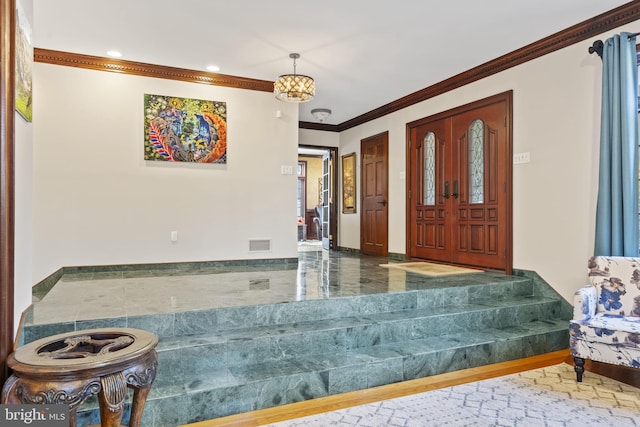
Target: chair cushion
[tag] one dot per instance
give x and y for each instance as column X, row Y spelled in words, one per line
column 608, row 329
column 617, row 280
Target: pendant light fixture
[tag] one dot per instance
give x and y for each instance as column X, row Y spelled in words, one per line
column 294, row 87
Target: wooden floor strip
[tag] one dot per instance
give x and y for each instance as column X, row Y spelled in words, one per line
column 361, row 397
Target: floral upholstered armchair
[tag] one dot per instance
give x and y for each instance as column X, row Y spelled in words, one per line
column 606, row 314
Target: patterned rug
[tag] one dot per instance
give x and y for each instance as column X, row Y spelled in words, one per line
column 429, row 268
column 542, row 397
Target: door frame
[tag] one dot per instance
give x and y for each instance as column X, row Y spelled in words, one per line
column 385, row 136
column 506, row 97
column 333, row 205
column 7, row 182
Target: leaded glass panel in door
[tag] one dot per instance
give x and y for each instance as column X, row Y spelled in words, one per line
column 429, row 160
column 476, row 162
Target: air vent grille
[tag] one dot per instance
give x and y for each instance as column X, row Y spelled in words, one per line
column 259, row 245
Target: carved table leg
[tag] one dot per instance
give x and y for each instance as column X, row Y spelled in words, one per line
column 8, row 391
column 139, row 399
column 140, row 379
column 111, row 399
column 72, row 418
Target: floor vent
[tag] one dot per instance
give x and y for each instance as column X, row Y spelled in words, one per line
column 259, row 245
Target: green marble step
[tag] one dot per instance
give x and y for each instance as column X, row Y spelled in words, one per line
column 224, row 361
column 241, row 347
column 202, row 395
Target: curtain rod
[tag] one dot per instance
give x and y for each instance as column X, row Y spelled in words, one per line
column 598, row 45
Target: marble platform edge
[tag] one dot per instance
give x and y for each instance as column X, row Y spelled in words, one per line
column 544, row 289
column 352, row 251
column 194, row 322
column 42, row 288
column 394, row 256
column 123, row 271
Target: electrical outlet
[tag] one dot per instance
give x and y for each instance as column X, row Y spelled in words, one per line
column 521, row 158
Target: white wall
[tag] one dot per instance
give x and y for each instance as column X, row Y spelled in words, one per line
column 318, row 138
column 23, row 205
column 97, row 202
column 556, row 113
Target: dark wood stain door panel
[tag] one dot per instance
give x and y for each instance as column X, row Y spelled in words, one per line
column 374, row 216
column 462, row 214
column 431, row 237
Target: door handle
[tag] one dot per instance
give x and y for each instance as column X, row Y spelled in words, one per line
column 455, row 189
column 446, row 189
column 383, row 203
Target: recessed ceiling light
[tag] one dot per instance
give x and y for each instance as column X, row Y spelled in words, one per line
column 213, row 68
column 114, row 54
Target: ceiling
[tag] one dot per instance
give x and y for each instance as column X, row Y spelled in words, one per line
column 363, row 54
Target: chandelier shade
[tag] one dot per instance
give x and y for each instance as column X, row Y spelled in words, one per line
column 294, row 87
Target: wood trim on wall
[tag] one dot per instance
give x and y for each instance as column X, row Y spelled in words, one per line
column 591, row 27
column 7, row 176
column 318, row 126
column 606, row 21
column 148, row 70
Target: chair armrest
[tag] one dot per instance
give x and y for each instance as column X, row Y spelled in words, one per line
column 584, row 303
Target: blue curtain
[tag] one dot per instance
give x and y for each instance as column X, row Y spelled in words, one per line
column 617, row 210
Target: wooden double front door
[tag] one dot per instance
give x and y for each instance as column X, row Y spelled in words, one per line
column 459, row 185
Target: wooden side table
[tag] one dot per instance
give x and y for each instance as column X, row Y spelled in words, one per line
column 70, row 368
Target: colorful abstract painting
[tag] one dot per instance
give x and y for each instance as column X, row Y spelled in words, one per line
column 24, row 61
column 184, row 129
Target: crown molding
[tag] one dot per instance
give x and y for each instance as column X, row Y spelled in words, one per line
column 614, row 18
column 148, row 70
column 318, row 126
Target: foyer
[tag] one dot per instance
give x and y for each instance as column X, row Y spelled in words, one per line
column 240, row 337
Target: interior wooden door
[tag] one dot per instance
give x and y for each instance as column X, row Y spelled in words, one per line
column 459, row 185
column 374, row 214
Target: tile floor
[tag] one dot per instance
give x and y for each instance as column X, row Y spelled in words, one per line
column 320, row 274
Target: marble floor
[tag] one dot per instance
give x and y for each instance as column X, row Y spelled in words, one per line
column 320, row 274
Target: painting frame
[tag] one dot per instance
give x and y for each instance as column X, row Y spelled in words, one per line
column 349, row 199
column 185, row 130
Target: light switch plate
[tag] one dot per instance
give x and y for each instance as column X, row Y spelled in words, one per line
column 521, row 158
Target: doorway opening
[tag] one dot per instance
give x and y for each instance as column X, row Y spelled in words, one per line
column 316, row 190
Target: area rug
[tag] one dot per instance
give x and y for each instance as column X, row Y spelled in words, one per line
column 548, row 396
column 429, row 268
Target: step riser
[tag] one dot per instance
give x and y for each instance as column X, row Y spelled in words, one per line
column 242, row 352
column 198, row 405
